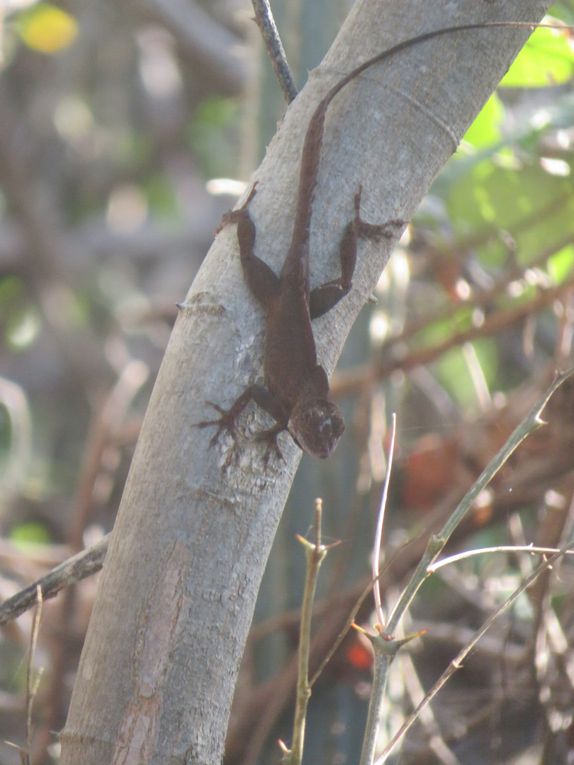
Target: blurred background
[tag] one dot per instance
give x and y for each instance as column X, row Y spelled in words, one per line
column 124, row 131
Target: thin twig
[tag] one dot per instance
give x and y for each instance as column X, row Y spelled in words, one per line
column 376, row 569
column 31, row 681
column 437, row 744
column 338, row 612
column 266, row 23
column 314, row 556
column 69, row 572
column 343, row 632
column 438, row 541
column 434, row 567
column 385, row 646
column 456, row 663
column 381, row 663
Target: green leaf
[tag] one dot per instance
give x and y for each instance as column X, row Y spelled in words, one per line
column 31, row 533
column 20, row 319
column 453, row 374
column 453, row 371
column 561, row 265
column 438, row 331
column 212, row 136
column 161, row 197
column 546, row 59
column 485, row 130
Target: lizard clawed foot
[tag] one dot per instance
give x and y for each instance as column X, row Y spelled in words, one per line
column 224, row 423
column 375, row 232
column 269, row 437
column 234, row 216
column 372, row 230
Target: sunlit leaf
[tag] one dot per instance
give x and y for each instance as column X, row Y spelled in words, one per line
column 561, row 265
column 485, row 130
column 47, row 29
column 546, row 59
column 534, row 207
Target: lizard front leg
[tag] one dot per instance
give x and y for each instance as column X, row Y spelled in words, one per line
column 228, row 420
column 271, row 404
column 323, row 298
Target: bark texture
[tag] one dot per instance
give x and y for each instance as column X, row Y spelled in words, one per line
column 192, row 537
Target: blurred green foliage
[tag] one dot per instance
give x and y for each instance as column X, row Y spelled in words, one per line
column 32, row 533
column 210, row 136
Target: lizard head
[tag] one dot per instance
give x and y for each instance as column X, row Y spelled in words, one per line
column 316, row 426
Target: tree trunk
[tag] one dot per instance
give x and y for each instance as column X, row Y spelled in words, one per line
column 192, row 536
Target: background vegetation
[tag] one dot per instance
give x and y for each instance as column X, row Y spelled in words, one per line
column 120, row 127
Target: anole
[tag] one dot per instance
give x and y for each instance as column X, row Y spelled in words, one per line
column 296, row 391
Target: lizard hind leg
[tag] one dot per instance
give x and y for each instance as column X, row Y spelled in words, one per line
column 323, row 298
column 234, row 216
column 374, row 231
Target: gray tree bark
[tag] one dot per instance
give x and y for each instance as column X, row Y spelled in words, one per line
column 192, row 537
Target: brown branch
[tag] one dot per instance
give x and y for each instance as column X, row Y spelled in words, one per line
column 347, row 382
column 481, row 297
column 69, row 572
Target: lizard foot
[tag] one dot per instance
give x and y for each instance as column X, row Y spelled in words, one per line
column 269, row 438
column 225, row 423
column 234, row 216
column 374, row 231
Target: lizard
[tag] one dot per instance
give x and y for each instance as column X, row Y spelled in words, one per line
column 296, row 390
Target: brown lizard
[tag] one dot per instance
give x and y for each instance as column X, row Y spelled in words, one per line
column 296, row 391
